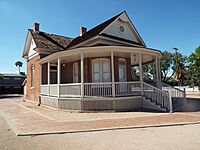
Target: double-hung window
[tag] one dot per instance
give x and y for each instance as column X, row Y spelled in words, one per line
column 75, row 72
column 32, row 75
column 101, row 70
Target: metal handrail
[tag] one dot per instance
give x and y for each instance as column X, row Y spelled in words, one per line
column 167, row 85
column 159, row 96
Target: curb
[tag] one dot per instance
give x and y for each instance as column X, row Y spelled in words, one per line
column 16, row 131
column 106, row 129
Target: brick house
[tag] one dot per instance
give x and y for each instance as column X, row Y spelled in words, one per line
column 102, row 69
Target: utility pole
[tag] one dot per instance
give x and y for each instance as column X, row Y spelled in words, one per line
column 177, row 61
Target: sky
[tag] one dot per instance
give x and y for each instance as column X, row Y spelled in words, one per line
column 163, row 24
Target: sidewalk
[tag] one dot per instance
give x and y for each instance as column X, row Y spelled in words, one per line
column 25, row 121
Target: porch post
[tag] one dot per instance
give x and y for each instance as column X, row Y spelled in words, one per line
column 40, row 75
column 157, row 69
column 113, row 74
column 82, row 76
column 141, row 73
column 48, row 78
column 58, row 78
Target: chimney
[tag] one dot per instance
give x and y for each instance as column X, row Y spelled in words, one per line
column 82, row 30
column 36, row 26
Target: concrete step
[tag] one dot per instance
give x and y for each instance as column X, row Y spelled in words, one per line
column 148, row 104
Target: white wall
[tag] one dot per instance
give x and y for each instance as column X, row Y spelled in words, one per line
column 32, row 46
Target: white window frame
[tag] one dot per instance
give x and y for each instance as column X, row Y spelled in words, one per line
column 124, row 60
column 53, row 71
column 75, row 72
column 101, row 72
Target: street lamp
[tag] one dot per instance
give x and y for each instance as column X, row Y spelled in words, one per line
column 177, row 62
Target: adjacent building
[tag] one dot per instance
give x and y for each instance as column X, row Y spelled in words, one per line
column 11, row 83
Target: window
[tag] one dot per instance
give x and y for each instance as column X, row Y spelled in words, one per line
column 53, row 74
column 32, row 76
column 75, row 72
column 101, row 70
column 122, row 70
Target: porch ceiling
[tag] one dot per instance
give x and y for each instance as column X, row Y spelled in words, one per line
column 104, row 51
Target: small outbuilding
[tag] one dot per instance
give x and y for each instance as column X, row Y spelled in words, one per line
column 11, row 83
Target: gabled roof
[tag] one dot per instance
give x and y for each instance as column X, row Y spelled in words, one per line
column 98, row 29
column 59, row 43
column 93, row 32
column 46, row 41
column 50, row 41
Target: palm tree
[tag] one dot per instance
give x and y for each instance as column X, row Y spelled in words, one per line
column 180, row 68
column 181, row 75
column 19, row 64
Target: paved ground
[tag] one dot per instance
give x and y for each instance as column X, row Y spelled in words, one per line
column 26, row 119
column 166, row 138
column 63, row 115
column 193, row 94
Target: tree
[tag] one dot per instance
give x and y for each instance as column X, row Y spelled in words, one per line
column 18, row 64
column 174, row 67
column 166, row 64
column 180, row 68
column 194, row 67
column 148, row 72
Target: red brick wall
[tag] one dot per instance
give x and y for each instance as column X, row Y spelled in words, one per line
column 33, row 93
column 116, row 69
column 128, row 69
column 67, row 73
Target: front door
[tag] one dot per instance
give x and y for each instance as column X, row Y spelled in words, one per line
column 122, row 75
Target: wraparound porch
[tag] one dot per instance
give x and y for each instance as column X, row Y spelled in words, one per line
column 104, row 73
column 92, row 89
column 98, row 96
column 98, row 71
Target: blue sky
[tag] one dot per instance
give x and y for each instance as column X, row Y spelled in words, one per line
column 163, row 24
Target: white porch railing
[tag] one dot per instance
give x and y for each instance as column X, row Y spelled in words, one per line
column 44, row 89
column 127, row 88
column 102, row 89
column 174, row 92
column 53, row 90
column 70, row 90
column 158, row 96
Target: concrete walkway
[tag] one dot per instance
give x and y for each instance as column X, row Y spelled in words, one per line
column 25, row 121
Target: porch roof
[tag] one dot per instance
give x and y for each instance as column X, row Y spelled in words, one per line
column 100, row 49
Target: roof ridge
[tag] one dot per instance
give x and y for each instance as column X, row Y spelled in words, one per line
column 52, row 34
column 51, row 39
column 94, row 31
column 59, row 35
column 107, row 21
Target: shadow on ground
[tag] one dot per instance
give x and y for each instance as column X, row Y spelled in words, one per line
column 4, row 96
column 192, row 105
